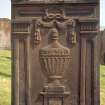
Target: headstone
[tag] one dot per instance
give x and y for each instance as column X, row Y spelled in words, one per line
column 39, row 75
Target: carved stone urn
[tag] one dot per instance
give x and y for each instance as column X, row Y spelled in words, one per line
column 54, row 60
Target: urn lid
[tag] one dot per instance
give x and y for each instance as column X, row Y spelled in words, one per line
column 54, row 45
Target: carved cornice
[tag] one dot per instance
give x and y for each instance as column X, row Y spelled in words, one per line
column 36, row 10
column 88, row 26
column 55, row 1
column 20, row 27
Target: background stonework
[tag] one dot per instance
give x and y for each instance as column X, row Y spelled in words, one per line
column 102, row 33
column 5, row 30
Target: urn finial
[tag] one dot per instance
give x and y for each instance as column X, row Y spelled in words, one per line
column 54, row 35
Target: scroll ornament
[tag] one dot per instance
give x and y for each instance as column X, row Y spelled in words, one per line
column 58, row 20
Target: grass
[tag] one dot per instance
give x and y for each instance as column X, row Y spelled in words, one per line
column 102, row 84
column 5, row 79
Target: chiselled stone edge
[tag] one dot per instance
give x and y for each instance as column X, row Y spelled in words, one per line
column 52, row 2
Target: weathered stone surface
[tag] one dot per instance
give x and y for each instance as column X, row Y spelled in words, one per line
column 69, row 1
column 77, row 25
column 54, row 60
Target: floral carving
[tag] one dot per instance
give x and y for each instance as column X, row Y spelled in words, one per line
column 71, row 32
column 63, row 23
column 36, row 34
column 56, row 20
column 37, row 37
